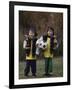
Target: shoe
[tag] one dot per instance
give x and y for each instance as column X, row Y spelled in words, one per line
column 26, row 75
column 45, row 74
column 51, row 73
column 48, row 75
column 34, row 75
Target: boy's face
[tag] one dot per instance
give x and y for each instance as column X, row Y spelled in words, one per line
column 50, row 32
column 31, row 34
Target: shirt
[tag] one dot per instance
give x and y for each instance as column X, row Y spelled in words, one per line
column 47, row 51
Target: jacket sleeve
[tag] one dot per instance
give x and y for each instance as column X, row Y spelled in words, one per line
column 56, row 44
column 24, row 44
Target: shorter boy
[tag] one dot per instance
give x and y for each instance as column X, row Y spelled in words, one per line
column 30, row 48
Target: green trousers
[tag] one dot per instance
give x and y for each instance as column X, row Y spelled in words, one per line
column 48, row 65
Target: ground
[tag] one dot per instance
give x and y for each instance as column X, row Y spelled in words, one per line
column 57, row 68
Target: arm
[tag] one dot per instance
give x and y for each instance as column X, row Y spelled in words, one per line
column 55, row 44
column 25, row 45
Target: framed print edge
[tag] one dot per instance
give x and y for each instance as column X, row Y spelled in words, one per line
column 68, row 45
column 11, row 44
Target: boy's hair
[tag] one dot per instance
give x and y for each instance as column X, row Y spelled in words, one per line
column 51, row 29
column 33, row 29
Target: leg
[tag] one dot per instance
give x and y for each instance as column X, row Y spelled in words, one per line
column 33, row 67
column 46, row 66
column 50, row 65
column 27, row 68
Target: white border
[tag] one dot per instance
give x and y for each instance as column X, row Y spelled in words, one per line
column 18, row 81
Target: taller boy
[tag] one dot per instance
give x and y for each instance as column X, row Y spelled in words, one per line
column 48, row 53
column 30, row 48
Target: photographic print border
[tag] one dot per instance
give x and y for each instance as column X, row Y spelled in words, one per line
column 11, row 44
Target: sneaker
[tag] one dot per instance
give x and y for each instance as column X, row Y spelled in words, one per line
column 48, row 75
column 26, row 75
column 34, row 75
column 45, row 74
column 51, row 73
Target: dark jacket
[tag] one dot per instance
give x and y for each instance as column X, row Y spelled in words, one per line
column 29, row 45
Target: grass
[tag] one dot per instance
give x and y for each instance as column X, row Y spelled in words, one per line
column 57, row 68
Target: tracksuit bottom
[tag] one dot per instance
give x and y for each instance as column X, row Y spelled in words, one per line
column 48, row 65
column 30, row 64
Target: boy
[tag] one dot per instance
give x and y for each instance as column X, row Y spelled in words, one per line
column 30, row 48
column 48, row 52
